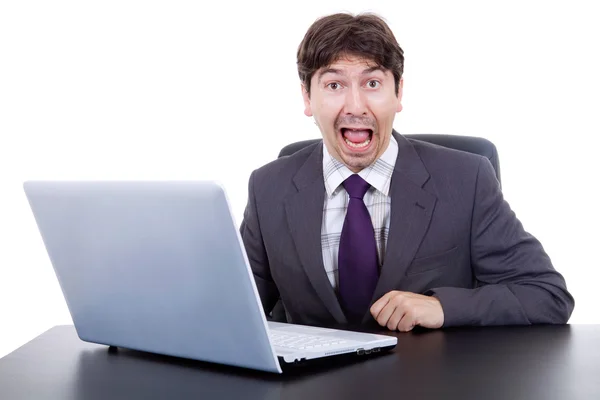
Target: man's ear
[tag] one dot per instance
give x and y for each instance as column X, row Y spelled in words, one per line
column 400, row 88
column 306, row 97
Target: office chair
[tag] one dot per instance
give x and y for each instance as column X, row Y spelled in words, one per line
column 469, row 144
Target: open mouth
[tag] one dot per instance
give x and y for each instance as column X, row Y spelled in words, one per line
column 357, row 139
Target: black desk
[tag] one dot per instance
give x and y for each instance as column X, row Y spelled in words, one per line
column 539, row 362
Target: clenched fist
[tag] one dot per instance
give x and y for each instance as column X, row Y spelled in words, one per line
column 403, row 311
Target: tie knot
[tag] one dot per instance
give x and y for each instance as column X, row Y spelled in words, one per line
column 356, row 186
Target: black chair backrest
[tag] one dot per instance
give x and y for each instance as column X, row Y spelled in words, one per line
column 470, row 144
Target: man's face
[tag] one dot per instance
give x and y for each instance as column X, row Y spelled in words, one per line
column 354, row 103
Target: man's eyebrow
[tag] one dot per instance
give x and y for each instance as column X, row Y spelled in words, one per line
column 329, row 71
column 373, row 69
column 339, row 72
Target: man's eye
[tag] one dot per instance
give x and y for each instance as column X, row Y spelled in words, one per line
column 333, row 85
column 373, row 84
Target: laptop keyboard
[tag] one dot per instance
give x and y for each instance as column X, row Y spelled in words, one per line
column 299, row 341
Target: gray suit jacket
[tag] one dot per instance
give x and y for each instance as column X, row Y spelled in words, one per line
column 451, row 235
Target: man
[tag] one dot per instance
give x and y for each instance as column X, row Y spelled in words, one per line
column 368, row 225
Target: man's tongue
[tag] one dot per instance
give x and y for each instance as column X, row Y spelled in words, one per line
column 356, row 136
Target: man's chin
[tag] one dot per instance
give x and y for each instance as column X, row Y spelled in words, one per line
column 356, row 164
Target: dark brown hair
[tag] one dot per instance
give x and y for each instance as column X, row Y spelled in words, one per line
column 338, row 35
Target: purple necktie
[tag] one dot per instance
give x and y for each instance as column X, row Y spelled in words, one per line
column 357, row 260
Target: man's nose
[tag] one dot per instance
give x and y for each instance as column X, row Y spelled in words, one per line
column 355, row 103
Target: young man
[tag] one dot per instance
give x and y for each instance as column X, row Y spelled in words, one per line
column 370, row 226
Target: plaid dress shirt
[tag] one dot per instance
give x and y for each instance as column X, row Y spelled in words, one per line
column 377, row 200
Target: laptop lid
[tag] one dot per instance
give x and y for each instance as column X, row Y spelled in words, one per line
column 154, row 266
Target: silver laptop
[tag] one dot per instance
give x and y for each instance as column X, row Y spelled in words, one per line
column 160, row 267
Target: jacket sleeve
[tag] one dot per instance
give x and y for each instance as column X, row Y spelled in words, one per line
column 257, row 255
column 516, row 282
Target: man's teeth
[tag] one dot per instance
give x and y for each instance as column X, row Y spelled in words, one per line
column 358, row 145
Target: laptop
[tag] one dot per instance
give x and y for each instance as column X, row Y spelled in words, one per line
column 159, row 266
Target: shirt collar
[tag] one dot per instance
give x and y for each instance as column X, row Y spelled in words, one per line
column 378, row 174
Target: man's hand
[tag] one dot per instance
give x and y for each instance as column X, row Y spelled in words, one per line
column 404, row 310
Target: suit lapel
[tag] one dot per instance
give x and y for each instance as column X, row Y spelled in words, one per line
column 411, row 211
column 304, row 211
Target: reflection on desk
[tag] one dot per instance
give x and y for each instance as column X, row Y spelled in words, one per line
column 537, row 362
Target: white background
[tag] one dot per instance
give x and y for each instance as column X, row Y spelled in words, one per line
column 188, row 90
